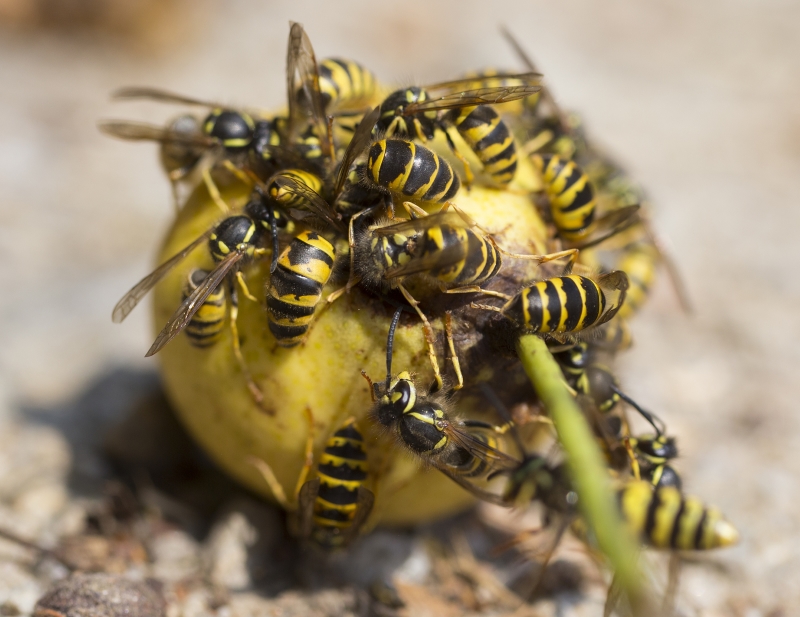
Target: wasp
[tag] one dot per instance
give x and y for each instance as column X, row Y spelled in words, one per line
column 444, row 247
column 224, row 136
column 653, row 454
column 411, row 171
column 573, row 204
column 335, row 505
column 332, row 508
column 659, row 516
column 207, row 325
column 295, row 287
column 416, row 113
column 346, row 84
column 565, row 305
column 467, row 451
column 232, row 243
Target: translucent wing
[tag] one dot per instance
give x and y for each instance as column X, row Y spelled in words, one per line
column 366, row 500
column 156, row 94
column 138, row 291
column 612, row 223
column 618, row 280
column 496, row 459
column 300, row 58
column 469, row 98
column 192, row 304
column 479, row 492
column 305, row 511
column 361, row 138
column 441, row 258
column 529, row 78
column 408, row 227
column 316, row 204
column 142, row 131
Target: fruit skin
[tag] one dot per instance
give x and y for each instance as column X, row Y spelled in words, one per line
column 323, row 374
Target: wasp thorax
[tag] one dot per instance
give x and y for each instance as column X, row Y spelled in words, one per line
column 233, row 129
column 392, row 122
column 420, row 429
column 230, row 234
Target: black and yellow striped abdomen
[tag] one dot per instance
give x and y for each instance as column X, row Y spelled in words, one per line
column 207, row 324
column 572, row 199
column 663, row 518
column 295, row 287
column 344, row 82
column 561, row 304
column 470, row 258
column 411, row 171
column 489, row 138
column 639, row 262
column 342, row 470
column 466, row 464
column 288, row 198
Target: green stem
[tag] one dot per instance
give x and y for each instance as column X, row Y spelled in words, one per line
column 586, row 463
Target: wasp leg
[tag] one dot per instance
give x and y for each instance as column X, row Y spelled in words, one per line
column 632, row 456
column 473, row 289
column 269, row 476
column 245, row 290
column 213, row 191
column 274, row 486
column 469, row 177
column 429, row 340
column 486, row 307
column 308, row 461
column 537, row 143
column 448, row 328
column 255, row 391
column 236, row 172
column 353, row 279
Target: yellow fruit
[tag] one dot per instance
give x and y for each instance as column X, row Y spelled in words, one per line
column 323, row 375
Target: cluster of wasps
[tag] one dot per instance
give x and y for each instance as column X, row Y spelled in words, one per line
column 347, row 187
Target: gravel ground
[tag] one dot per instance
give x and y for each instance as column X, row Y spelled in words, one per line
column 698, row 100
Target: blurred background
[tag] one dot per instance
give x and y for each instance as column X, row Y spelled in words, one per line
column 698, row 100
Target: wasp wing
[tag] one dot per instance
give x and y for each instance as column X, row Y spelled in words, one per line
column 142, row 131
column 479, row 492
column 440, row 258
column 496, row 459
column 361, row 138
column 528, row 78
column 157, row 94
column 470, row 98
column 612, row 223
column 138, row 291
column 410, row 227
column 316, row 204
column 192, row 304
column 305, row 507
column 300, row 58
column 366, row 499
